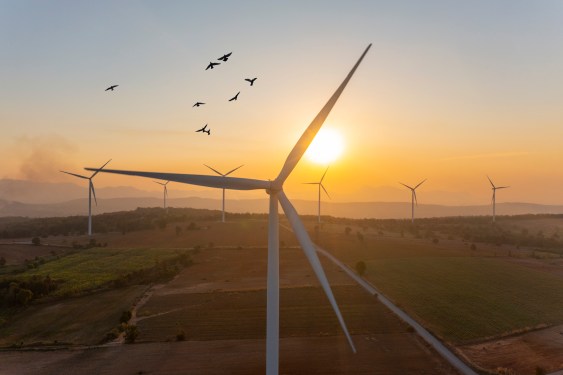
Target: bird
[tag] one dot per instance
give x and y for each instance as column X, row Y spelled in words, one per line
column 208, row 131
column 225, row 57
column 211, row 65
column 197, row 104
column 234, row 97
column 251, row 80
column 111, row 87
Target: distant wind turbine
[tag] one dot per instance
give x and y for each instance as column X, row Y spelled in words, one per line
column 274, row 188
column 91, row 192
column 165, row 190
column 494, row 199
column 320, row 184
column 223, row 175
column 413, row 196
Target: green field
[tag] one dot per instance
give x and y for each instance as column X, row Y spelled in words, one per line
column 463, row 299
column 94, row 268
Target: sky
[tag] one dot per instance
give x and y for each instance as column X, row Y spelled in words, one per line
column 451, row 91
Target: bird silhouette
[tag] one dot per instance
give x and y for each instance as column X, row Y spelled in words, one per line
column 225, row 57
column 211, row 65
column 208, row 131
column 251, row 81
column 111, row 87
column 234, row 97
column 197, row 104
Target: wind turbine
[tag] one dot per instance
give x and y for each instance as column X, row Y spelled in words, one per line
column 165, row 190
column 274, row 188
column 494, row 200
column 91, row 192
column 413, row 197
column 223, row 175
column 320, row 184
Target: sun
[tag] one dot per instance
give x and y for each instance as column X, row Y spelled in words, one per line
column 326, row 147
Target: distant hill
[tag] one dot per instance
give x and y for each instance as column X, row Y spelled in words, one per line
column 356, row 210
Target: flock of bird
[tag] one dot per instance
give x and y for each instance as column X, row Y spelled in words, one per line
column 211, row 66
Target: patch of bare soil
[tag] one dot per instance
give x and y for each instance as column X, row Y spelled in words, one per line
column 521, row 353
column 18, row 253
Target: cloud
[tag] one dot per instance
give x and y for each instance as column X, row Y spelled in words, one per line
column 43, row 156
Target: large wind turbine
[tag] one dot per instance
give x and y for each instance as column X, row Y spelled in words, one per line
column 413, row 196
column 494, row 200
column 275, row 190
column 165, row 190
column 320, row 184
column 223, row 175
column 91, row 192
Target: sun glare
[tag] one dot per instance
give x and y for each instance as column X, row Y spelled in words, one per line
column 326, row 147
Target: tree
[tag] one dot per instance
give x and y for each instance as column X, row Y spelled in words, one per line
column 361, row 267
column 36, row 241
column 131, row 333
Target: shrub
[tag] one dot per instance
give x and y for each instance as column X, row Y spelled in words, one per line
column 361, row 267
column 180, row 335
column 36, row 241
column 131, row 334
column 125, row 316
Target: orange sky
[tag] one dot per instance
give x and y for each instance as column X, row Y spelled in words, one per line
column 448, row 92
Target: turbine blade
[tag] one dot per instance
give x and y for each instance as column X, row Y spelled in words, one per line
column 158, row 182
column 233, row 183
column 503, row 187
column 214, row 170
column 326, row 192
column 165, row 190
column 231, row 171
column 311, row 183
column 324, row 174
column 313, row 128
column 93, row 191
column 98, row 170
column 407, row 186
column 75, row 175
column 414, row 195
column 493, row 185
column 420, row 183
column 309, row 250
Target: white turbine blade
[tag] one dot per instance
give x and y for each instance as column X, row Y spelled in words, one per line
column 407, row 186
column 75, row 175
column 326, row 192
column 414, row 195
column 309, row 250
column 420, row 183
column 312, row 130
column 98, row 170
column 158, row 182
column 311, row 183
column 214, row 170
column 165, row 191
column 324, row 174
column 231, row 171
column 503, row 187
column 493, row 185
column 233, row 183
column 93, row 191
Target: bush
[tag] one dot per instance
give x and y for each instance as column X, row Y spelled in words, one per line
column 131, row 334
column 180, row 335
column 36, row 241
column 125, row 316
column 361, row 267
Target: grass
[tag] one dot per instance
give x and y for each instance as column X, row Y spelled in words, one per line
column 94, row 268
column 463, row 299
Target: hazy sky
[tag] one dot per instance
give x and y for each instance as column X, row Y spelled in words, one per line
column 450, row 91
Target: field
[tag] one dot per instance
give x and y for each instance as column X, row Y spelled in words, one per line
column 497, row 305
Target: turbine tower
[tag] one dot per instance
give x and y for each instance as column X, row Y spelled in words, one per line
column 274, row 188
column 320, row 184
column 413, row 197
column 494, row 200
column 165, row 190
column 91, row 192
column 223, row 175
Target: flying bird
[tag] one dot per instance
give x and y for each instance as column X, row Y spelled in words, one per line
column 211, row 65
column 197, row 104
column 234, row 97
column 225, row 57
column 208, row 131
column 251, row 80
column 111, row 87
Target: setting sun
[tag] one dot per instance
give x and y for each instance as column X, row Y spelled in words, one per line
column 326, row 147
